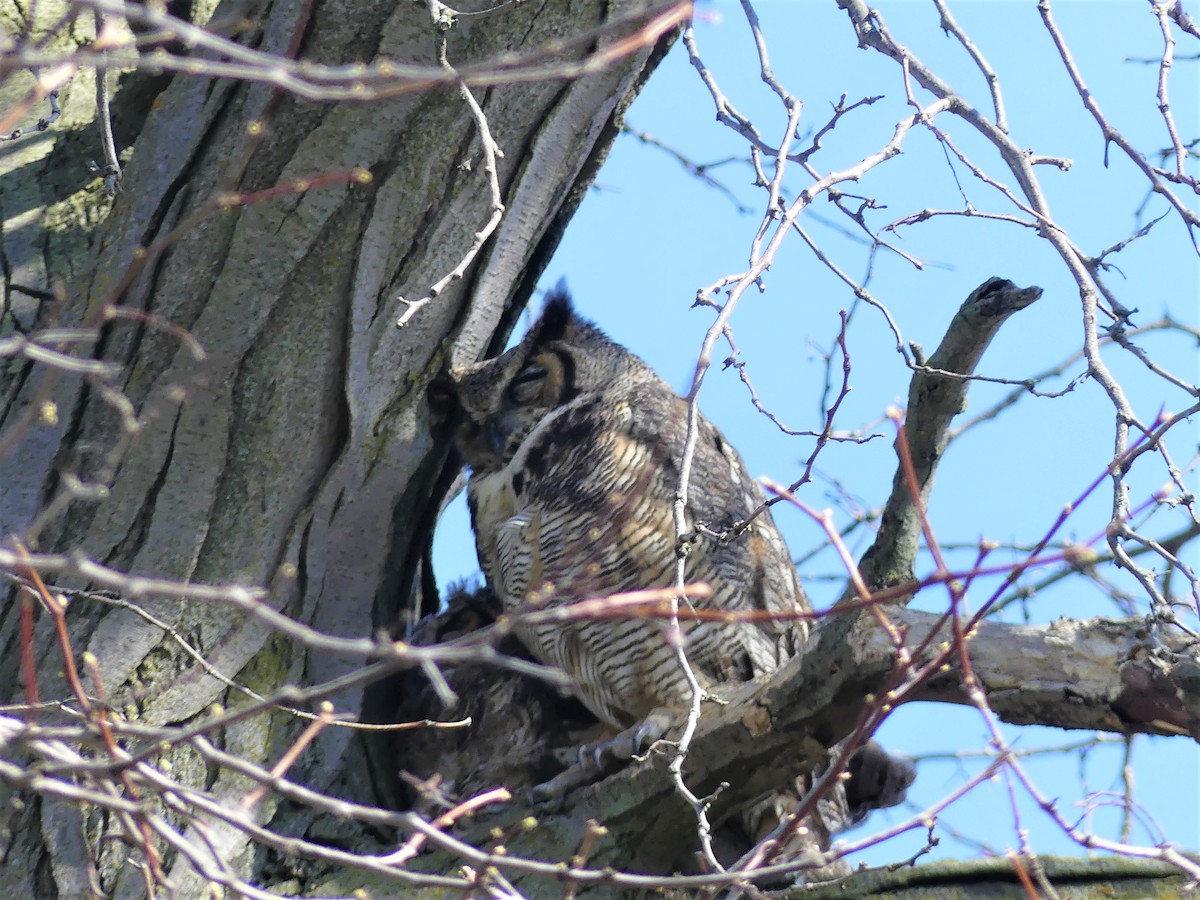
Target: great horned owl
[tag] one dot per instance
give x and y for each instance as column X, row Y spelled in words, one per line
column 574, row 446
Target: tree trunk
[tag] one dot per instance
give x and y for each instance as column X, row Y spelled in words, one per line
column 295, row 451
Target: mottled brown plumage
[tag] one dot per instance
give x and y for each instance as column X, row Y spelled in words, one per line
column 574, row 446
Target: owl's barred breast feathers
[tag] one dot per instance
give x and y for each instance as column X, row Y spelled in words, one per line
column 574, row 446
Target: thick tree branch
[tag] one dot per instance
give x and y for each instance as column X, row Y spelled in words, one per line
column 1108, row 675
column 1102, row 674
column 937, row 394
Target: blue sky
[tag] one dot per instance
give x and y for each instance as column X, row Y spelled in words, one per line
column 649, row 235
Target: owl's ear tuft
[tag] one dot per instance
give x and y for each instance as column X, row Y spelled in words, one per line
column 558, row 314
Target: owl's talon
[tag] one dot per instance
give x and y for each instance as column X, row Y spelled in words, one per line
column 591, row 756
column 651, row 730
column 601, row 758
column 631, row 742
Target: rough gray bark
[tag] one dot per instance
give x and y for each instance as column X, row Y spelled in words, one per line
column 301, row 455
